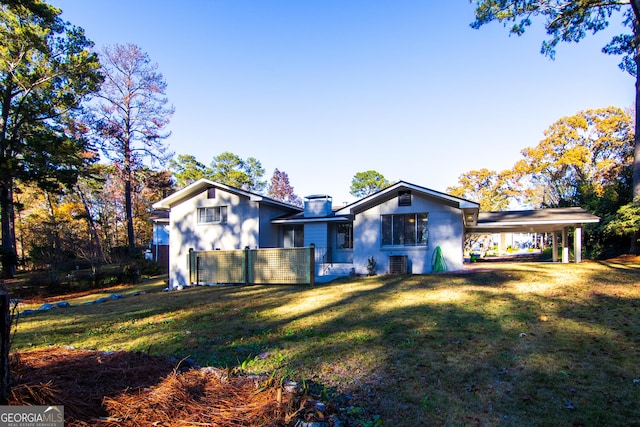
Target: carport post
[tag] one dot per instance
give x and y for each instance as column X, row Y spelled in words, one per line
column 565, row 245
column 577, row 244
column 554, row 245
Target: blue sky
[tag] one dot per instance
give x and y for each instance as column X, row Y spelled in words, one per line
column 322, row 89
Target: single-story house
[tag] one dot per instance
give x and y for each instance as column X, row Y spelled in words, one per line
column 400, row 229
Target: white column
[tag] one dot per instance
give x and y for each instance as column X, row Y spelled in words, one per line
column 554, row 246
column 565, row 245
column 577, row 244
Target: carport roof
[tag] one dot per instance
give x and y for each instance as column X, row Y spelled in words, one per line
column 532, row 221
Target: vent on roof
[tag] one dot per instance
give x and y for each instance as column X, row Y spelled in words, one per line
column 404, row 198
column 397, row 264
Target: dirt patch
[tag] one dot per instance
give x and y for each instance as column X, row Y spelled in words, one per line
column 134, row 389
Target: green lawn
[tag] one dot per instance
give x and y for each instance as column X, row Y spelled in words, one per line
column 520, row 344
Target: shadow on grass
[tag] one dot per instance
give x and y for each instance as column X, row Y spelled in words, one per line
column 631, row 274
column 523, row 345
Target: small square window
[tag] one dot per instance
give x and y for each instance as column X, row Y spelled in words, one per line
column 211, row 193
column 404, row 198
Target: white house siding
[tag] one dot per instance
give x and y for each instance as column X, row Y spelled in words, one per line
column 240, row 230
column 445, row 230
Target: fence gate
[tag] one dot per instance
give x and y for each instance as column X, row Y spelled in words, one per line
column 263, row 266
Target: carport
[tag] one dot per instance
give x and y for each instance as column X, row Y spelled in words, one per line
column 556, row 221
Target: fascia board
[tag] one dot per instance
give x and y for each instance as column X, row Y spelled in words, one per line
column 343, row 218
column 461, row 203
column 203, row 183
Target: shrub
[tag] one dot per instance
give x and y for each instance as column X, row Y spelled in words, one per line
column 149, row 267
column 130, row 273
column 133, row 271
column 371, row 266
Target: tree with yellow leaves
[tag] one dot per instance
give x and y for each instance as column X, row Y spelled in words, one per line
column 492, row 190
column 589, row 149
column 584, row 160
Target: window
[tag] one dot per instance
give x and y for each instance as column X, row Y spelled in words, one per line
column 404, row 198
column 216, row 214
column 344, row 236
column 405, row 230
column 293, row 236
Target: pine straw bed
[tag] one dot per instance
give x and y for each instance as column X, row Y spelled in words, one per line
column 109, row 389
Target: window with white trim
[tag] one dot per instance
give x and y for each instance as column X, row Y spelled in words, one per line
column 405, row 229
column 212, row 215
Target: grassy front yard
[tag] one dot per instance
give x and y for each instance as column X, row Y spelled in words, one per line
column 519, row 344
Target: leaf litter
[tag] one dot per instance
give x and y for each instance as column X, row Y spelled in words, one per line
column 108, row 389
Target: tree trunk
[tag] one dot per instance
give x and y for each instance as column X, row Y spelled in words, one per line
column 55, row 231
column 8, row 253
column 636, row 149
column 5, row 343
column 129, row 214
column 635, row 4
column 97, row 246
column 20, row 233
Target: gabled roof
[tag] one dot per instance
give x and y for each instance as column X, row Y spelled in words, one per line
column 471, row 209
column 391, row 191
column 539, row 220
column 203, row 184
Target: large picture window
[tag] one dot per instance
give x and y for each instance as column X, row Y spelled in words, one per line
column 216, row 214
column 405, row 230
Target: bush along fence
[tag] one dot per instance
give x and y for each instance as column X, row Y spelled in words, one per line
column 253, row 266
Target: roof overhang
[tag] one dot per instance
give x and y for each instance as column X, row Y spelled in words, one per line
column 470, row 216
column 302, row 220
column 202, row 184
column 159, row 216
column 532, row 221
column 470, row 208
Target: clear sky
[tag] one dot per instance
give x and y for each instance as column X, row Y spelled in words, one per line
column 322, row 89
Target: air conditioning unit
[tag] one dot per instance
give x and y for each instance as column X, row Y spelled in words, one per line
column 397, row 264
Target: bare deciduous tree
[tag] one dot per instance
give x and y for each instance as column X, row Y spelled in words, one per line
column 132, row 116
